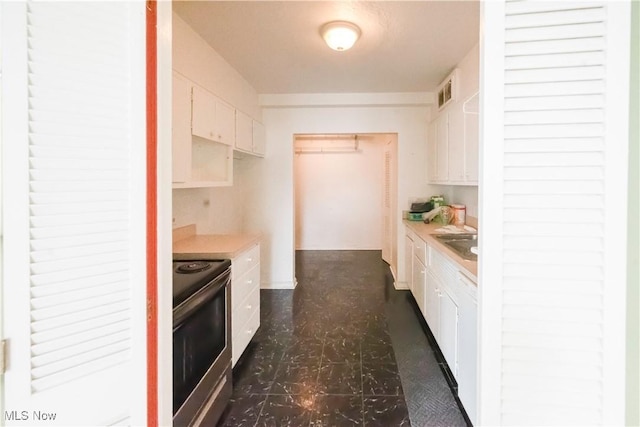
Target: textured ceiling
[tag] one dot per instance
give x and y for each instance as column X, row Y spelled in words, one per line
column 406, row 46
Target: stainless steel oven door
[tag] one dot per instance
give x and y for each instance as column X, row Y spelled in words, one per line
column 202, row 354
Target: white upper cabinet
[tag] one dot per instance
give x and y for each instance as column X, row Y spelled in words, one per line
column 244, row 132
column 452, row 147
column 456, row 144
column 442, row 148
column 249, row 135
column 203, row 114
column 225, row 123
column 212, row 118
column 438, row 149
column 259, row 138
column 432, row 157
column 200, row 155
column 463, row 142
column 471, row 139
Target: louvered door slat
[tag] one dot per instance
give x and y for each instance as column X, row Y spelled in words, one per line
column 101, row 359
column 554, row 89
column 557, row 32
column 87, row 318
column 548, row 145
column 554, row 61
column 527, row 17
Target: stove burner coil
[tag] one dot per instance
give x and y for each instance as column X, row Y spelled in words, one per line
column 193, row 267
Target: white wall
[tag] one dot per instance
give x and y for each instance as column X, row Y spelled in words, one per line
column 462, row 194
column 213, row 210
column 338, row 195
column 275, row 194
column 199, row 62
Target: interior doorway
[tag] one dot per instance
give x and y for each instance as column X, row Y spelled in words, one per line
column 345, row 192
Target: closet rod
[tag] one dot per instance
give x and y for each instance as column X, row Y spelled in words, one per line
column 327, row 136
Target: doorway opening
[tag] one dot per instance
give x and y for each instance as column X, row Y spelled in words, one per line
column 345, row 192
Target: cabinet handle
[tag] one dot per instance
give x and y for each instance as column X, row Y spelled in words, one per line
column 249, row 331
column 250, row 281
column 249, row 259
column 249, row 307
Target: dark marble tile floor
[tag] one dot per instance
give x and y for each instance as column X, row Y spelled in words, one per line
column 342, row 349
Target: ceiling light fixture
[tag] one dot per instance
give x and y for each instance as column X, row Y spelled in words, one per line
column 340, row 35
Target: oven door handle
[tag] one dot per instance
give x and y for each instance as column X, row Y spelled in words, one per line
column 200, row 297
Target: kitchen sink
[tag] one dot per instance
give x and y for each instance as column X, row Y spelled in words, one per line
column 461, row 244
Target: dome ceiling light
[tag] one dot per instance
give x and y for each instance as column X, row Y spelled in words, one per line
column 340, row 35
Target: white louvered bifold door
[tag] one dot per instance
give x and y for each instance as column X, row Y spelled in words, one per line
column 553, row 203
column 74, row 260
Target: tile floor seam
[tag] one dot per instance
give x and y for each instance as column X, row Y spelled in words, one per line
column 361, row 383
column 324, row 340
column 268, row 393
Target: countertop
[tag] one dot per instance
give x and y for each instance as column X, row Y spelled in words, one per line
column 189, row 245
column 425, row 232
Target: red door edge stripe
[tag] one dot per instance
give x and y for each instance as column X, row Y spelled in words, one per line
column 152, row 216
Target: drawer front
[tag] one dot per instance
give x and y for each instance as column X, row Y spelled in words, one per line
column 246, row 261
column 443, row 269
column 420, row 250
column 245, row 310
column 243, row 336
column 242, row 286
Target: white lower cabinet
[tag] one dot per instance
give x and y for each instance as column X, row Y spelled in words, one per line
column 408, row 259
column 415, row 263
column 432, row 304
column 447, row 299
column 245, row 299
column 467, row 345
column 419, row 283
column 448, row 334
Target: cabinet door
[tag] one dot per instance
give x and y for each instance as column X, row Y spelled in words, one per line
column 467, row 346
column 419, row 283
column 258, row 138
column 408, row 260
column 432, row 151
column 471, row 133
column 203, row 114
column 181, row 129
column 244, row 132
column 432, row 304
column 456, row 144
column 442, row 149
column 225, row 122
column 448, row 341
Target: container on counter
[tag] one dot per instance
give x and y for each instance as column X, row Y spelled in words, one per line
column 437, row 201
column 459, row 214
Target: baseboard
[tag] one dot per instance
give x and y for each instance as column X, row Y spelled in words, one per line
column 401, row 286
column 278, row 285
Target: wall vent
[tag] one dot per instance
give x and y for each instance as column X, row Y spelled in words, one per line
column 447, row 90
